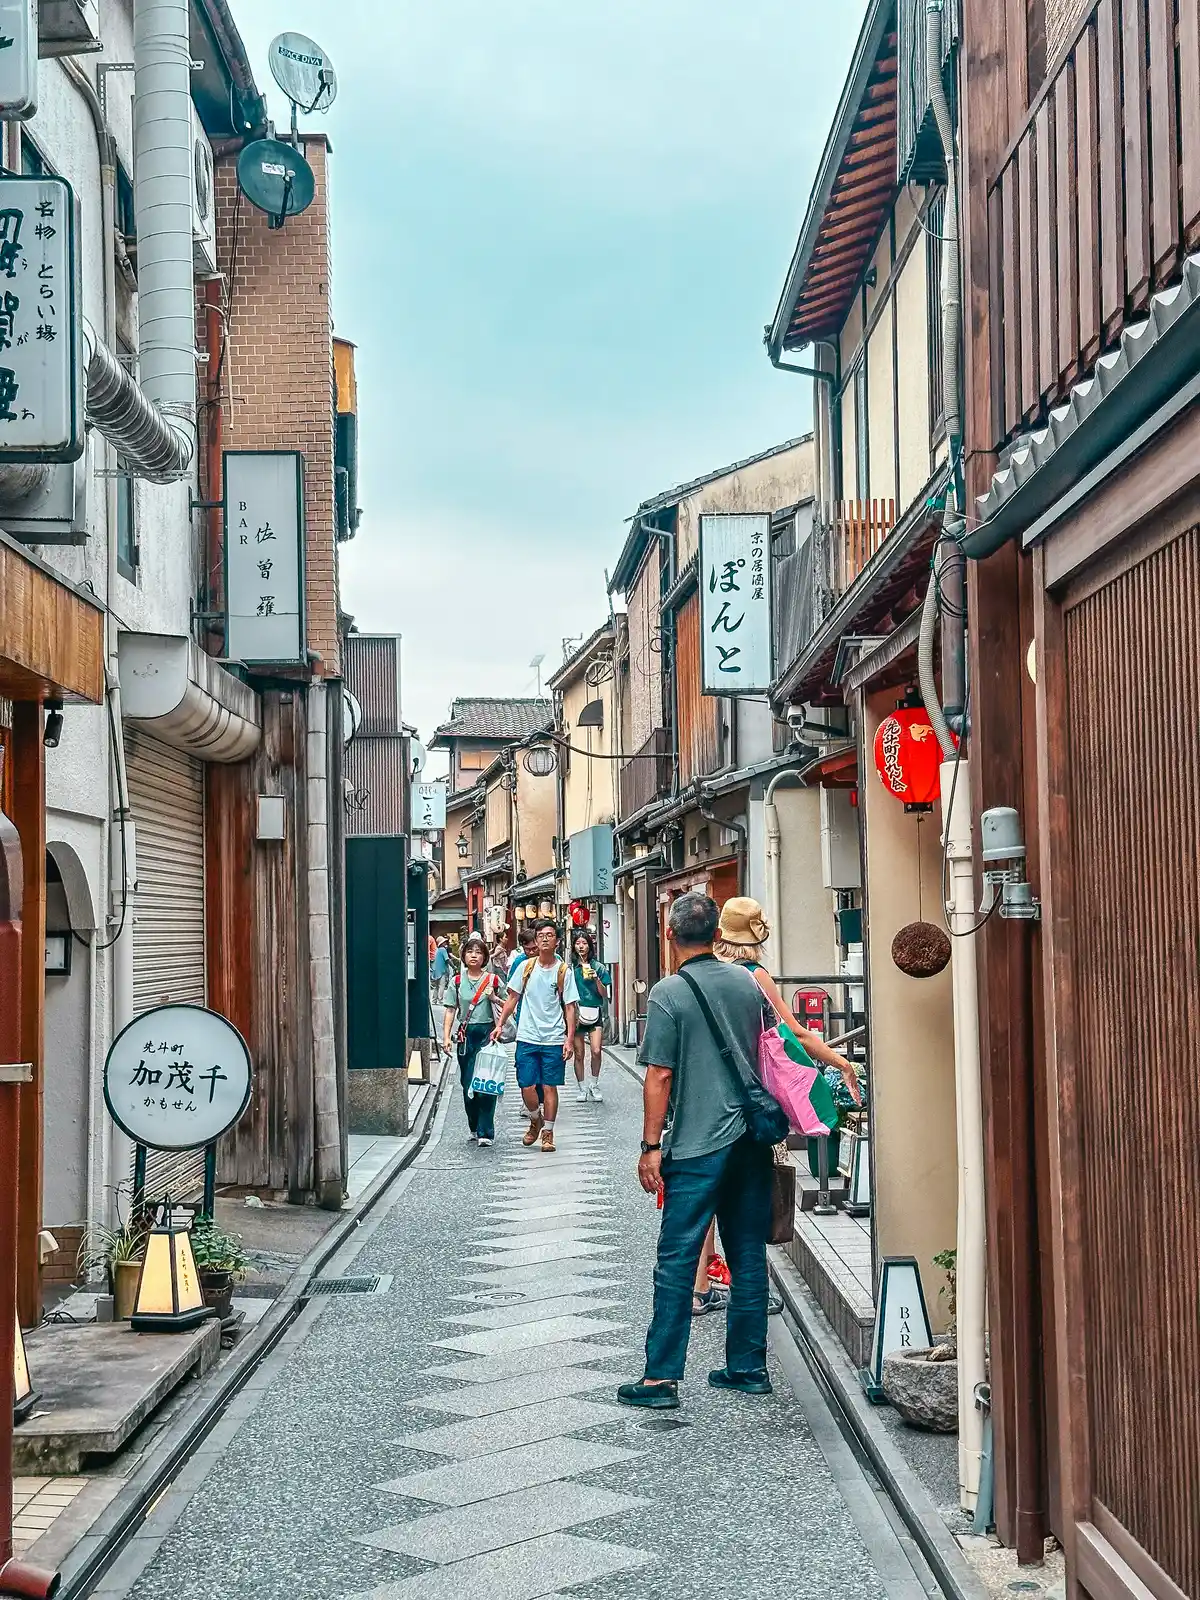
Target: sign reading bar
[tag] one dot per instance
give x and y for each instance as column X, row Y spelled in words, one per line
column 428, row 807
column 177, row 1078
column 264, row 557
column 735, row 603
column 41, row 331
column 18, row 59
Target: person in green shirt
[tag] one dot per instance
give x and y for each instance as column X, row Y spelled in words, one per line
column 593, row 982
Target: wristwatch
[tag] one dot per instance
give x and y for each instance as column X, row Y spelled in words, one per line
column 648, row 1149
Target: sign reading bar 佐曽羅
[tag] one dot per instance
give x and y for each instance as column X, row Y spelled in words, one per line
column 264, row 557
column 177, row 1078
column 41, row 356
column 735, row 603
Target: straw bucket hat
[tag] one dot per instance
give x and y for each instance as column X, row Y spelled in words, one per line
column 743, row 923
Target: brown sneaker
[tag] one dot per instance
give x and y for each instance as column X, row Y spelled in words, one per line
column 531, row 1133
column 547, row 1141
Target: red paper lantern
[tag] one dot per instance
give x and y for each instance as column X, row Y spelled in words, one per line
column 908, row 756
column 579, row 914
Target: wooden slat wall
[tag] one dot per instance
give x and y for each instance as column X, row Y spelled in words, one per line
column 258, row 967
column 1133, row 690
column 860, row 529
column 698, row 715
column 51, row 639
column 1095, row 200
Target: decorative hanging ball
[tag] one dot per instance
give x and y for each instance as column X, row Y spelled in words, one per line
column 908, row 756
column 921, row 950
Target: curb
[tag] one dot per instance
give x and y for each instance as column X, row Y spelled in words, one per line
column 90, row 1558
column 910, row 1497
column 631, row 1067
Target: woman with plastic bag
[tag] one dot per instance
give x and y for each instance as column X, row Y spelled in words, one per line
column 472, row 1002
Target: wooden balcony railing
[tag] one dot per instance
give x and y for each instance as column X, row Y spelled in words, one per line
column 648, row 776
column 860, row 527
column 1095, row 201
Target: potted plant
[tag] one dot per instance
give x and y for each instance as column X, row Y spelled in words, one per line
column 844, row 1102
column 119, row 1252
column 221, row 1263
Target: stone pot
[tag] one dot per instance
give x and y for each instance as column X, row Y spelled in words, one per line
column 125, row 1275
column 217, row 1289
column 924, row 1392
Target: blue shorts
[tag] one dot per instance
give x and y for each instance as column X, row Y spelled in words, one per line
column 540, row 1064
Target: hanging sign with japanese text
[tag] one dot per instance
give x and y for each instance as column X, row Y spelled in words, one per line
column 735, row 603
column 177, row 1078
column 41, row 331
column 18, row 59
column 428, row 807
column 264, row 557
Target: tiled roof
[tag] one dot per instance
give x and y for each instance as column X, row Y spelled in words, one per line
column 493, row 719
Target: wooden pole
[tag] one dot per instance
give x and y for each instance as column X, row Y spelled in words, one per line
column 29, row 808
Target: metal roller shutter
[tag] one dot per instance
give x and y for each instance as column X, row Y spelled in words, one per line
column 166, row 797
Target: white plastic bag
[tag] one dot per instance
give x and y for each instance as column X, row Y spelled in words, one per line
column 490, row 1070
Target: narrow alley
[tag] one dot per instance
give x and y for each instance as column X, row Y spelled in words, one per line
column 456, row 1433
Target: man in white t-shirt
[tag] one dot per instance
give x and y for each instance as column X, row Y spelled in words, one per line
column 545, row 987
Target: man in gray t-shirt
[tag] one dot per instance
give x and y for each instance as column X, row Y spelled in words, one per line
column 698, row 1154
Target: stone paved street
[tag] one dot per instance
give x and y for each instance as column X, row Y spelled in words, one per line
column 457, row 1435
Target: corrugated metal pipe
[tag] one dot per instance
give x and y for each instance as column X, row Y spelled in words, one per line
column 154, row 445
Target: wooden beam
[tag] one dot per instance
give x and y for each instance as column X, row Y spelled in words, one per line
column 29, row 808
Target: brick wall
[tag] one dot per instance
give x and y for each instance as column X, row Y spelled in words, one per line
column 277, row 380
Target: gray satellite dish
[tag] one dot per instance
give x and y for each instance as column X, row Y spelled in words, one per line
column 276, row 178
column 303, row 71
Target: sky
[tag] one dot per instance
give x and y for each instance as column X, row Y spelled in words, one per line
column 559, row 229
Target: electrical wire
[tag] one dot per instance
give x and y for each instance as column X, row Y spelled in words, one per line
column 123, row 812
column 960, row 933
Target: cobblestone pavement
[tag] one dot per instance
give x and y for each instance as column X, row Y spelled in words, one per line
column 457, row 1437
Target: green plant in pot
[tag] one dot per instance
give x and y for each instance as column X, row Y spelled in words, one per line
column 844, row 1102
column 119, row 1252
column 947, row 1261
column 220, row 1261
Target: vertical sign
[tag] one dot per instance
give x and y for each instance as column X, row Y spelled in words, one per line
column 41, row 356
column 735, row 603
column 428, row 807
column 18, row 59
column 610, row 933
column 264, row 556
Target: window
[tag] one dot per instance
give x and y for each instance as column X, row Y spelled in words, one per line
column 126, row 218
column 127, row 545
column 33, row 162
column 935, row 223
column 474, row 760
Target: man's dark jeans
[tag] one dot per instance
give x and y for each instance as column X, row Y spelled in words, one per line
column 481, row 1108
column 734, row 1184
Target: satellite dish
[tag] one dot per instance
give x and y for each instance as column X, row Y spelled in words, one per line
column 303, row 71
column 416, row 751
column 276, row 178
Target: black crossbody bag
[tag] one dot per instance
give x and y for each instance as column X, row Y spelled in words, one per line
column 766, row 1119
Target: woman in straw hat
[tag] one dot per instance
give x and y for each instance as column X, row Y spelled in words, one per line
column 740, row 938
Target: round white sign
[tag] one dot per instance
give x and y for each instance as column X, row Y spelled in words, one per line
column 303, row 71
column 177, row 1078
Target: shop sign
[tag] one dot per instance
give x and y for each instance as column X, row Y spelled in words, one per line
column 610, row 933
column 735, row 604
column 177, row 1078
column 18, row 59
column 591, row 876
column 429, row 807
column 264, row 557
column 41, row 330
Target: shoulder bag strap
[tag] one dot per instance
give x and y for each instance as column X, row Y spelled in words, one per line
column 728, row 1054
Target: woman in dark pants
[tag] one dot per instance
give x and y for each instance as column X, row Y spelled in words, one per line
column 470, row 1016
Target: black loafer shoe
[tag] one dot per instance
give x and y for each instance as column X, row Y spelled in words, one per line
column 743, row 1382
column 650, row 1396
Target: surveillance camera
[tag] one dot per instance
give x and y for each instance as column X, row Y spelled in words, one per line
column 796, row 716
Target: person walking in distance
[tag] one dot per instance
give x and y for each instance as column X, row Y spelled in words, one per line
column 544, row 986
column 700, row 1152
column 591, row 982
column 440, row 971
column 472, row 998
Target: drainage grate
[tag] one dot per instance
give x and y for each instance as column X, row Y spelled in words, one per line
column 351, row 1285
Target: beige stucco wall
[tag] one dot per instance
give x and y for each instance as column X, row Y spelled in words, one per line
column 912, row 367
column 590, row 786
column 850, row 338
column 806, row 906
column 911, row 1036
column 458, row 818
column 781, row 480
column 536, row 817
column 881, row 408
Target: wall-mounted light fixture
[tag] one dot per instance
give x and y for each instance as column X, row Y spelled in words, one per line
column 52, row 732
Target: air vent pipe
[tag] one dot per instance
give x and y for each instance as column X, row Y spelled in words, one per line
column 153, row 444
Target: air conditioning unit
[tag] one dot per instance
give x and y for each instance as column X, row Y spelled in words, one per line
column 68, row 27
column 53, row 510
column 841, row 864
column 204, row 203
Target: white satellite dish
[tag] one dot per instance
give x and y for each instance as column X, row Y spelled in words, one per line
column 303, row 71
column 416, row 752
